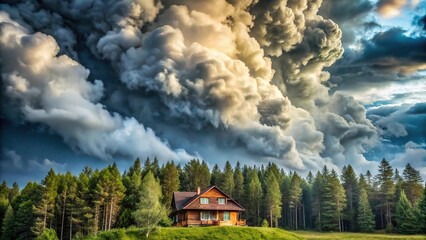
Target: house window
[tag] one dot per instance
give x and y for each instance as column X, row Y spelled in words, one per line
column 221, row 200
column 204, row 200
column 226, row 216
column 205, row 216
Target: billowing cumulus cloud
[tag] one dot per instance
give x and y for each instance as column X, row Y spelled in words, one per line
column 252, row 71
column 53, row 90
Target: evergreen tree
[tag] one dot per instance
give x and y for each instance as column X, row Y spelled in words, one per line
column 8, row 224
column 216, row 176
column 170, row 182
column 44, row 209
column 295, row 197
column 238, row 183
column 132, row 181
column 63, row 201
column 307, row 199
column 253, row 197
column 150, row 210
column 4, row 202
column 412, row 183
column 273, row 199
column 13, row 192
column 83, row 203
column 227, row 184
column 23, row 208
column 318, row 190
column 406, row 220
column 334, row 201
column 195, row 174
column 285, row 192
column 350, row 184
column 386, row 190
column 422, row 210
column 365, row 215
column 108, row 194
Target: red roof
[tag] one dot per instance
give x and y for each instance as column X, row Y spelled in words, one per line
column 182, row 200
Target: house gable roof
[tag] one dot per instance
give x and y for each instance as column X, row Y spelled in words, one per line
column 180, row 198
column 183, row 200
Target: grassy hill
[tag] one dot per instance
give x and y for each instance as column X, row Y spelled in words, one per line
column 241, row 233
column 200, row 233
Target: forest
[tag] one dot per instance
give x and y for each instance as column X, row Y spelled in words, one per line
column 71, row 206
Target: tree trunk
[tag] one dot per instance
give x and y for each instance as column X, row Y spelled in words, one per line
column 96, row 222
column 304, row 221
column 295, row 218
column 270, row 214
column 110, row 215
column 71, row 226
column 63, row 214
column 319, row 216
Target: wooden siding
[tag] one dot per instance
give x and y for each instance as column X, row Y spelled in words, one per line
column 193, row 218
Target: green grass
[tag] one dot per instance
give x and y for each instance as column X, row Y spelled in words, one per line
column 199, row 233
column 361, row 236
column 239, row 233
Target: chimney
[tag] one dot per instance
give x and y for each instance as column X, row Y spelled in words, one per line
column 198, row 190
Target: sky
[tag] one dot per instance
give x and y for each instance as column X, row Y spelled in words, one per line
column 300, row 83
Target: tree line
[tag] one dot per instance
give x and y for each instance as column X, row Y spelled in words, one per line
column 98, row 200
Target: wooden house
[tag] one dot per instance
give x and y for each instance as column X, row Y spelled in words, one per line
column 210, row 206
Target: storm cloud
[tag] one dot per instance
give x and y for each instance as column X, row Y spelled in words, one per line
column 251, row 71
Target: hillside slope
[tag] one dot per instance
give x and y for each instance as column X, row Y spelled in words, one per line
column 200, row 233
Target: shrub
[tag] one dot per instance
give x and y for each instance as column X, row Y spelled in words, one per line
column 264, row 223
column 48, row 234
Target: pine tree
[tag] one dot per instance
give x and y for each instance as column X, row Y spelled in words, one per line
column 422, row 210
column 285, row 192
column 170, row 182
column 238, row 183
column 150, row 210
column 386, row 190
column 406, row 220
column 295, row 197
column 227, row 179
column 4, row 202
column 45, row 208
column 334, row 202
column 83, row 204
column 350, row 184
column 62, row 201
column 13, row 192
column 216, row 176
column 412, row 184
column 132, row 181
column 8, row 224
column 108, row 195
column 307, row 200
column 318, row 190
column 365, row 215
column 253, row 197
column 273, row 199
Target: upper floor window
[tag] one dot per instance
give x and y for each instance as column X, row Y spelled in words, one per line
column 221, row 200
column 204, row 200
